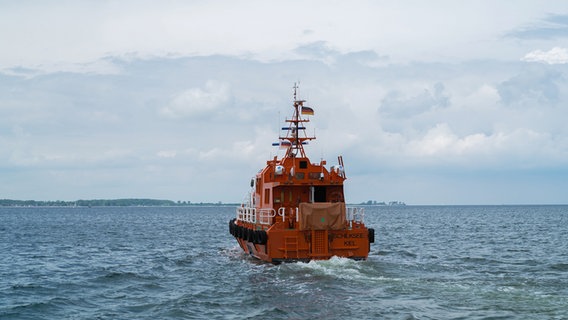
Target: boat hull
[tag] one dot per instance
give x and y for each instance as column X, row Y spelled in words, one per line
column 289, row 245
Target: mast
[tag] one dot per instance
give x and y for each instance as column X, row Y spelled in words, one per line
column 294, row 140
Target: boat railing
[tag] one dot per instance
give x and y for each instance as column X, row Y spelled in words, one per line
column 293, row 212
column 282, row 213
column 248, row 200
column 246, row 214
column 355, row 215
column 265, row 216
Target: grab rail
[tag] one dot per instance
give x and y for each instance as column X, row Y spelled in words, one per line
column 355, row 214
column 252, row 215
column 266, row 215
column 246, row 214
column 293, row 212
column 282, row 213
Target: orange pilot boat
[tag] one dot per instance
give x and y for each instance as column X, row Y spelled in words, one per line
column 295, row 210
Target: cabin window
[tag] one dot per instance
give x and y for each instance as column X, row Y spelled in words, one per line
column 303, row 164
column 314, row 175
column 300, row 175
column 319, row 194
column 267, row 196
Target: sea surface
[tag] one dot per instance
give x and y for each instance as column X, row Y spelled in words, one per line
column 428, row 262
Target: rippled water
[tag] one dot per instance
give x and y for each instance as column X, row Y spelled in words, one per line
column 448, row 262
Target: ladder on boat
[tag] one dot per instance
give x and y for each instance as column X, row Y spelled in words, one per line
column 291, row 245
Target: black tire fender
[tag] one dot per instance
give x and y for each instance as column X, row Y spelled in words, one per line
column 371, row 235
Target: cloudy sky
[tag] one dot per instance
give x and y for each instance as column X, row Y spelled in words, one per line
column 428, row 102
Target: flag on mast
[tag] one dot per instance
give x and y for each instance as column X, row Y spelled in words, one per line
column 307, row 111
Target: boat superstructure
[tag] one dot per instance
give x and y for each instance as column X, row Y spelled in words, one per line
column 295, row 210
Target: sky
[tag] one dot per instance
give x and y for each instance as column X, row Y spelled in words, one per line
column 428, row 102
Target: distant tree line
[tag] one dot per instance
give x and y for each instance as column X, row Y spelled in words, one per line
column 391, row 203
column 101, row 203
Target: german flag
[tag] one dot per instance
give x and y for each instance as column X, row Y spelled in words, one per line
column 307, row 111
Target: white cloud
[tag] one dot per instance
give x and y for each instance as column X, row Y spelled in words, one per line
column 506, row 149
column 437, row 140
column 394, row 105
column 555, row 55
column 48, row 36
column 166, row 154
column 532, row 87
column 198, row 101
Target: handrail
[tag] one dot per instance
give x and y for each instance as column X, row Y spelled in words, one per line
column 293, row 211
column 246, row 214
column 282, row 213
column 266, row 215
column 355, row 214
column 252, row 215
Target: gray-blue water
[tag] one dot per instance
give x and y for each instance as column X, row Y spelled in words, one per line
column 434, row 262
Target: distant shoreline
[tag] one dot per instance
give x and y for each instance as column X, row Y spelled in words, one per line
column 171, row 203
column 109, row 203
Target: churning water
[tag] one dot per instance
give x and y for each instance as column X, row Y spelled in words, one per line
column 433, row 262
